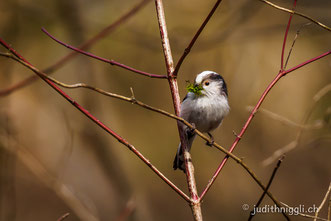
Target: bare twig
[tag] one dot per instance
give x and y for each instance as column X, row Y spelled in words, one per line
column 285, row 37
column 195, row 37
column 326, row 197
column 63, row 217
column 110, row 61
column 103, row 33
column 195, row 203
column 267, row 187
column 285, row 120
column 304, row 215
column 293, row 42
column 98, row 122
column 297, row 13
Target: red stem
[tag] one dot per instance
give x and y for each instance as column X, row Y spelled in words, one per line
column 285, row 37
column 100, row 124
column 112, row 62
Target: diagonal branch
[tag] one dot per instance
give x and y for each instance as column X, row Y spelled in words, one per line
column 252, row 214
column 297, row 13
column 100, row 124
column 112, row 62
column 195, row 37
column 62, row 61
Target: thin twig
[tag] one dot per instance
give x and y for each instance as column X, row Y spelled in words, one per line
column 103, row 33
column 195, row 37
column 267, row 187
column 109, row 61
column 285, row 37
column 99, row 123
column 297, row 13
column 293, row 42
column 63, row 217
column 323, row 201
column 285, row 120
column 304, row 215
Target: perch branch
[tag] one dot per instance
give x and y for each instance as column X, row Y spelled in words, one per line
column 110, row 28
column 195, row 203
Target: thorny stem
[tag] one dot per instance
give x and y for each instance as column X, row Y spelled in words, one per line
column 103, row 33
column 100, row 124
column 112, row 62
column 195, row 37
column 195, row 203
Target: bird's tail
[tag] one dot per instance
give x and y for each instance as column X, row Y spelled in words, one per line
column 179, row 158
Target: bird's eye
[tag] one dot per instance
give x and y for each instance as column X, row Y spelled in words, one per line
column 206, row 83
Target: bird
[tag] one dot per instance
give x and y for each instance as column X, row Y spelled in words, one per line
column 204, row 107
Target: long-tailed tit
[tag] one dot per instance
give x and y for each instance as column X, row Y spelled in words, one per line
column 205, row 106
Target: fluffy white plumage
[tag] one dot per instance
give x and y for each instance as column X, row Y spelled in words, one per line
column 205, row 111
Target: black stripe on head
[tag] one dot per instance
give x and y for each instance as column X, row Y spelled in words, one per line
column 217, row 77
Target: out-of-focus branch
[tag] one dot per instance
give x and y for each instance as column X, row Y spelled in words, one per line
column 323, row 201
column 195, row 37
column 133, row 100
column 63, row 217
column 60, row 189
column 304, row 215
column 297, row 13
column 110, row 61
column 106, row 31
column 195, row 203
column 98, row 122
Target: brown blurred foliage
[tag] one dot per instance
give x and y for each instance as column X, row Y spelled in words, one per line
column 242, row 42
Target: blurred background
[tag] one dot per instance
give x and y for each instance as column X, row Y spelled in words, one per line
column 54, row 160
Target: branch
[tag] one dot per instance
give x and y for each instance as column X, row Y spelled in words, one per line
column 323, row 202
column 99, row 123
column 195, row 203
column 195, row 37
column 133, row 100
column 72, row 54
column 285, row 37
column 267, row 188
column 63, row 217
column 296, row 13
column 112, row 62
